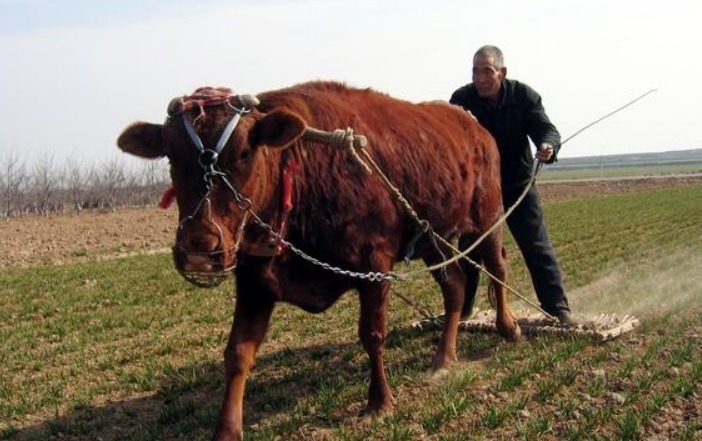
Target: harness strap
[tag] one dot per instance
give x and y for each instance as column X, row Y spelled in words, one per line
column 223, row 138
column 227, row 133
column 193, row 136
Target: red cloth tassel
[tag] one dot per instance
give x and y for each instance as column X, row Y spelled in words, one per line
column 287, row 197
column 167, row 198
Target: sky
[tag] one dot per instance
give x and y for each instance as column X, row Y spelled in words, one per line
column 75, row 73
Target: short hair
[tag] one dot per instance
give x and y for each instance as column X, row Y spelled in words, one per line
column 491, row 51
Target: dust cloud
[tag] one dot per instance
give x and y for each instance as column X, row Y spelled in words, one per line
column 666, row 282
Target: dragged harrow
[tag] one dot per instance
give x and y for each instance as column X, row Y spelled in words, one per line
column 599, row 328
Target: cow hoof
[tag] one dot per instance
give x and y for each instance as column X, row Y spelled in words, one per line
column 229, row 436
column 439, row 374
column 513, row 333
column 374, row 412
column 226, row 432
column 442, row 362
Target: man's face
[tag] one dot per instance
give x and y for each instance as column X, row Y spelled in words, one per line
column 487, row 77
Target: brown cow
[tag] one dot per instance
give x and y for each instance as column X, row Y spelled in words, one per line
column 235, row 200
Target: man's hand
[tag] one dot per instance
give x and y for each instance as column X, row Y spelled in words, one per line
column 544, row 152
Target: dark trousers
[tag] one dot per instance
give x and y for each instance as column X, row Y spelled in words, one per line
column 526, row 223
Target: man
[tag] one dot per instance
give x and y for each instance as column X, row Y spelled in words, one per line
column 512, row 112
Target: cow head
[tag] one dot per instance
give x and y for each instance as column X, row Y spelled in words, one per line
column 213, row 140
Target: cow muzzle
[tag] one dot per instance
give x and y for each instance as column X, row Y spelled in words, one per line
column 201, row 255
column 203, row 269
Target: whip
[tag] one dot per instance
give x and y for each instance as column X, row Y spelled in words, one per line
column 608, row 115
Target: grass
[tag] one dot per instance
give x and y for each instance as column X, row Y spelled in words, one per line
column 555, row 174
column 124, row 349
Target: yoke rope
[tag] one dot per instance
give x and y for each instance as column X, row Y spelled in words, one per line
column 346, row 140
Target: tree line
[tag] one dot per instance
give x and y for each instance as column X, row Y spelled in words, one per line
column 46, row 186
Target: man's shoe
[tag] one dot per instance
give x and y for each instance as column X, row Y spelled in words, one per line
column 565, row 319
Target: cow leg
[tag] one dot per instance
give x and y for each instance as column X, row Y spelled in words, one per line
column 249, row 327
column 472, row 275
column 495, row 263
column 372, row 332
column 452, row 289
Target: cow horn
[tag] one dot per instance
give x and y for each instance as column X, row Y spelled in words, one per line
column 175, row 106
column 248, row 101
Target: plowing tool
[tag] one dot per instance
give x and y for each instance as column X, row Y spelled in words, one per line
column 599, row 328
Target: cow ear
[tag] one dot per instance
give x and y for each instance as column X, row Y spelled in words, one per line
column 143, row 140
column 279, row 129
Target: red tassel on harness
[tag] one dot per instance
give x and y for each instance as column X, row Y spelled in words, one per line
column 286, row 202
column 167, row 198
column 287, row 198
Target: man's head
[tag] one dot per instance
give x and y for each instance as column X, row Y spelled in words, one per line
column 488, row 72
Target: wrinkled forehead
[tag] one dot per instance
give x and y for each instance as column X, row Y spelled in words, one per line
column 484, row 61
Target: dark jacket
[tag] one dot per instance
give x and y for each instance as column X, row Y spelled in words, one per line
column 518, row 115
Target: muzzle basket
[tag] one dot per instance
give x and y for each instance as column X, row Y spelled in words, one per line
column 210, row 279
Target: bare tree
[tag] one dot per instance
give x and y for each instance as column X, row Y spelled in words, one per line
column 98, row 186
column 75, row 183
column 133, row 188
column 93, row 188
column 155, row 173
column 154, row 180
column 111, row 178
column 13, row 179
column 44, row 185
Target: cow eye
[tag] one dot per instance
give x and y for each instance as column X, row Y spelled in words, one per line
column 245, row 156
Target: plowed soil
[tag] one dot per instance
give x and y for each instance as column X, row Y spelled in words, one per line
column 66, row 238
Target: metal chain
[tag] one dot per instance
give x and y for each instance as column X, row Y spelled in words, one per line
column 246, row 205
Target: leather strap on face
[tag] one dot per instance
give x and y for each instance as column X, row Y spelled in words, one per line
column 209, row 97
column 208, row 157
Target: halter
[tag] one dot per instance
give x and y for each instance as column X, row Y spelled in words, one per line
column 209, row 97
column 207, row 158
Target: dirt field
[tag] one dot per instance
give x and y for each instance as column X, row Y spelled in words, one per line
column 574, row 394
column 57, row 239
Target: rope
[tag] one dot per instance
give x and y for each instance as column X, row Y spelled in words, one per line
column 608, row 115
column 422, row 311
column 458, row 254
column 348, row 139
column 396, row 192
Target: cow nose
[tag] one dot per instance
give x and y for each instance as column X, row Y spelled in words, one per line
column 197, row 252
column 200, row 243
column 197, row 263
column 196, row 236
